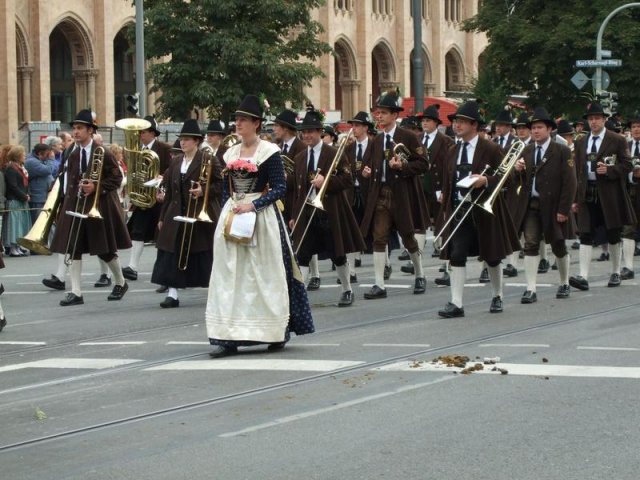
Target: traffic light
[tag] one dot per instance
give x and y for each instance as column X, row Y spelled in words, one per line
column 133, row 103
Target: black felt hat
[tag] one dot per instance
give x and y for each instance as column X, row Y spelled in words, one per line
column 215, row 126
column 250, row 107
column 391, row 101
column 154, row 125
column 329, row 130
column 86, row 118
column 469, row 110
column 540, row 114
column 190, row 128
column 287, row 118
column 595, row 109
column 504, row 117
column 565, row 128
column 176, row 146
column 363, row 118
column 311, row 121
column 522, row 120
column 411, row 122
column 432, row 112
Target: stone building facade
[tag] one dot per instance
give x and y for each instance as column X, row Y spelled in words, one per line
column 64, row 55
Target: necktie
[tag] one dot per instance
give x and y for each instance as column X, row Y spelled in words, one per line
column 464, row 159
column 389, row 145
column 311, row 166
column 593, row 145
column 501, row 141
column 83, row 163
column 359, row 154
column 426, row 141
column 637, row 151
column 285, row 150
column 538, row 155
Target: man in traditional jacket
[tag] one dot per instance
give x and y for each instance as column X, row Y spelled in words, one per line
column 396, row 198
column 332, row 231
column 492, row 236
column 102, row 236
column 603, row 165
column 547, row 174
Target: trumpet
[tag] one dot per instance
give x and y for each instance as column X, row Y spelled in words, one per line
column 316, row 203
column 93, row 175
column 503, row 171
column 205, row 178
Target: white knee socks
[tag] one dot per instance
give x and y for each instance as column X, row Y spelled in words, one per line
column 379, row 262
column 628, row 249
column 137, row 247
column 586, row 251
column 416, row 259
column 615, row 254
column 343, row 275
column 495, row 275
column 116, row 271
column 458, row 276
column 563, row 269
column 75, row 272
column 313, row 266
column 62, row 268
column 531, row 271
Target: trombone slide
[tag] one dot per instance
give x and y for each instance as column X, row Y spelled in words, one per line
column 183, row 219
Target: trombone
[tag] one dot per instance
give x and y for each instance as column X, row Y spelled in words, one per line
column 316, row 202
column 191, row 215
column 94, row 174
column 503, row 171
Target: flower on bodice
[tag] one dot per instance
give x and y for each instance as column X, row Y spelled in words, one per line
column 243, row 174
column 240, row 167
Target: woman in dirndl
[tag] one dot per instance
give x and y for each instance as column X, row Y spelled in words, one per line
column 256, row 294
column 17, row 194
column 184, row 258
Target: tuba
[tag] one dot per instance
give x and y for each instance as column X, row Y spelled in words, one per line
column 143, row 166
column 37, row 238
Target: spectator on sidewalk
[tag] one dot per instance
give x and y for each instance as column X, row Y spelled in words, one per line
column 40, row 167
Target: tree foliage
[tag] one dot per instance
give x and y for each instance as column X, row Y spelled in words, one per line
column 533, row 46
column 208, row 54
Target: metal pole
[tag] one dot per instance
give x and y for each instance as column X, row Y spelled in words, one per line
column 597, row 84
column 140, row 73
column 418, row 64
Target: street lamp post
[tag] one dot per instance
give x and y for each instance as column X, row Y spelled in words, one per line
column 140, row 73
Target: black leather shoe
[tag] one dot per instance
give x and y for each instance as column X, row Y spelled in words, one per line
column 563, row 291
column 103, row 281
column 408, row 268
column 129, row 273
column 604, row 257
column 451, row 311
column 71, row 299
column 53, row 282
column 162, row 289
column 484, row 276
column 420, row 285
column 357, row 263
column 529, row 297
column 346, row 299
column 376, row 292
column 352, row 279
column 555, row 265
column 627, row 274
column 219, row 351
column 443, row 280
column 170, row 302
column 575, row 246
column 314, row 283
column 3, row 323
column 543, row 266
column 276, row 347
column 614, row 280
column 496, row 305
column 404, row 256
column 579, row 282
column 118, row 292
column 387, row 272
column 510, row 271
column 1, row 288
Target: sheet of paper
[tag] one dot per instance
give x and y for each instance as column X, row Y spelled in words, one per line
column 154, row 182
column 467, row 182
column 243, row 225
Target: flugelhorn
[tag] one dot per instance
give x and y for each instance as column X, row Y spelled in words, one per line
column 37, row 238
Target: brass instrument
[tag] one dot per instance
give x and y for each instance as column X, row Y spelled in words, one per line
column 635, row 162
column 37, row 238
column 230, row 140
column 503, row 171
column 402, row 152
column 191, row 215
column 94, row 174
column 143, row 166
column 289, row 164
column 316, row 203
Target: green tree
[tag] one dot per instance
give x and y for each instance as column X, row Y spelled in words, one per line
column 533, row 46
column 209, row 53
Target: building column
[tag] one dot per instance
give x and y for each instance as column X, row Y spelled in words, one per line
column 91, row 89
column 26, row 74
column 8, row 77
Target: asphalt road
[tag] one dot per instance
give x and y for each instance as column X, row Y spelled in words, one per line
column 126, row 390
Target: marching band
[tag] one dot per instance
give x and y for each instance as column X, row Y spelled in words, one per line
column 244, row 215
